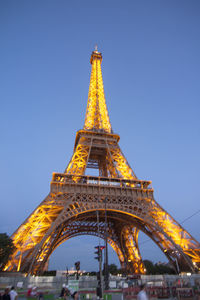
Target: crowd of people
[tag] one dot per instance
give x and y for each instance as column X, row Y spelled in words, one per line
column 66, row 293
column 11, row 294
column 34, row 293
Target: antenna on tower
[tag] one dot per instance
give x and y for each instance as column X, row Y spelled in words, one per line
column 95, row 48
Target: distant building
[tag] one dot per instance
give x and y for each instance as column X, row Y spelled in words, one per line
column 71, row 272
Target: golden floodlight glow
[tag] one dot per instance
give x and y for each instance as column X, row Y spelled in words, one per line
column 70, row 208
column 97, row 114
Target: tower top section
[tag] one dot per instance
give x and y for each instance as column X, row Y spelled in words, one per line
column 96, row 55
column 97, row 118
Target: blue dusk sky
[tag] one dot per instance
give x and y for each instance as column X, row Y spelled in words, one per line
column 151, row 73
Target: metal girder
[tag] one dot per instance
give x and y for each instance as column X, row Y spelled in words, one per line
column 97, row 117
column 129, row 240
column 75, row 197
column 72, row 199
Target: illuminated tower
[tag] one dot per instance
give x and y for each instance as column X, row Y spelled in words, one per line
column 70, row 208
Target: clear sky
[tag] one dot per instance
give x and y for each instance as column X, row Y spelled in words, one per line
column 151, row 73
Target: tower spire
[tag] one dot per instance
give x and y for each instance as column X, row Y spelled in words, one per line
column 75, row 197
column 97, row 118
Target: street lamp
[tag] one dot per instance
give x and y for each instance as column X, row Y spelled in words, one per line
column 106, row 275
column 67, row 274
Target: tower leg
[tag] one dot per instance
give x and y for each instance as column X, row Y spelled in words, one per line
column 133, row 260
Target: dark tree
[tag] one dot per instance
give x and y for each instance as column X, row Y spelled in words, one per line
column 164, row 269
column 92, row 273
column 49, row 273
column 158, row 268
column 149, row 266
column 6, row 249
column 112, row 269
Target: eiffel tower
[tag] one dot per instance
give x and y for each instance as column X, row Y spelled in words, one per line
column 70, row 209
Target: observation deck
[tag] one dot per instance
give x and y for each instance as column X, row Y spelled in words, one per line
column 97, row 181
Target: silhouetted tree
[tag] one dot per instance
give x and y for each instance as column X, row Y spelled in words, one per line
column 6, row 249
column 157, row 268
column 49, row 273
column 150, row 269
column 92, row 273
column 163, row 269
column 112, row 269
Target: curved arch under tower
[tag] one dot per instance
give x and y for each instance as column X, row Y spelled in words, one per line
column 74, row 198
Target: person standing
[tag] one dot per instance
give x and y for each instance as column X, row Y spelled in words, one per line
column 62, row 291
column 6, row 295
column 13, row 294
column 142, row 295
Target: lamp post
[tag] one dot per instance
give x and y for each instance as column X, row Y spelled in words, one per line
column 99, row 257
column 106, row 275
column 77, row 266
column 67, row 275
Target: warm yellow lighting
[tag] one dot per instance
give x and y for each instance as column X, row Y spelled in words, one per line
column 121, row 164
column 97, row 115
column 30, row 233
column 117, row 250
column 73, row 194
column 131, row 237
column 78, row 163
column 178, row 235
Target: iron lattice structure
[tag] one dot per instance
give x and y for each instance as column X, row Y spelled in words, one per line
column 70, row 208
